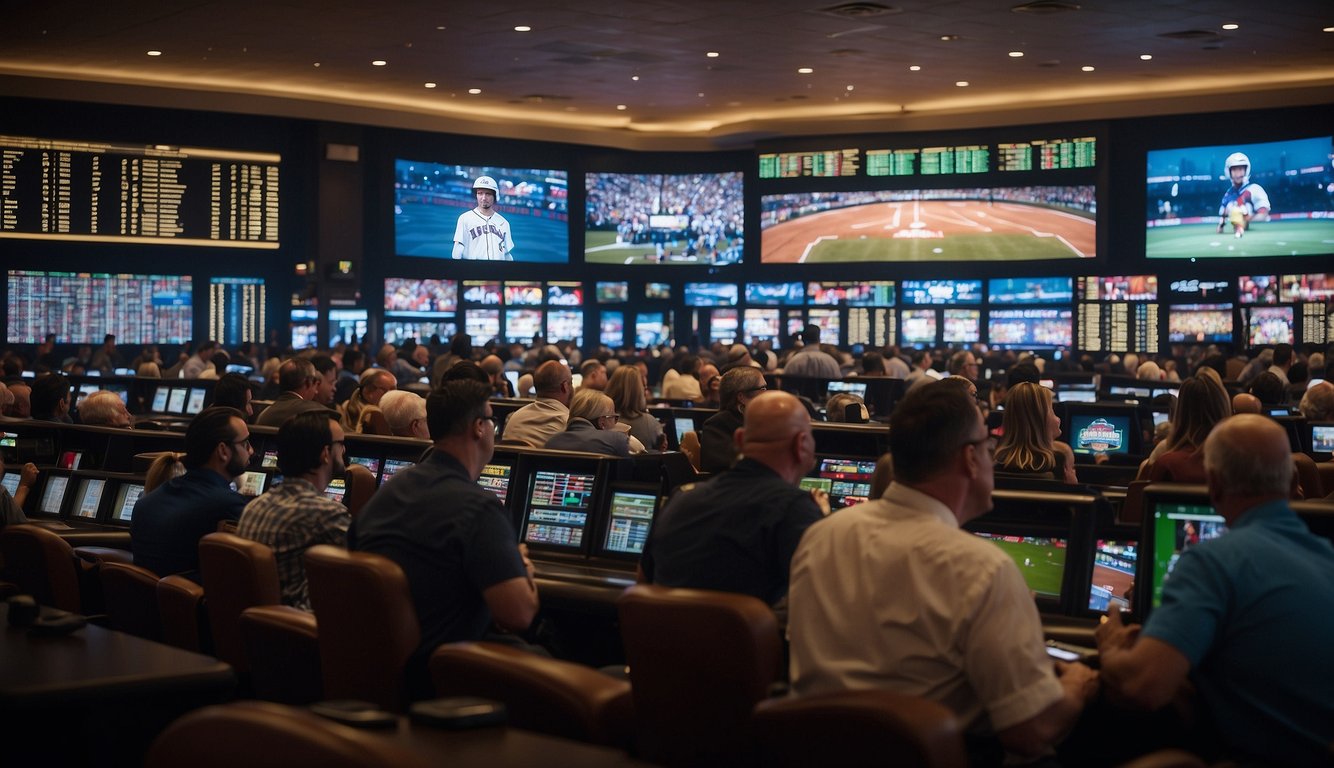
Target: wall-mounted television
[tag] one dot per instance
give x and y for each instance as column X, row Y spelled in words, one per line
column 1031, row 328
column 922, row 292
column 868, row 293
column 962, row 326
column 1239, row 200
column 657, row 218
column 613, row 292
column 760, row 324
column 481, row 292
column 1030, row 290
column 1257, row 289
column 523, row 294
column 917, row 326
column 775, row 294
column 652, row 329
column 711, row 294
column 566, row 325
column 82, row 307
column 723, row 325
column 483, row 325
column 410, row 297
column 611, row 328
column 1316, row 287
column 1200, row 323
column 435, row 206
column 565, row 294
column 521, row 325
column 977, row 224
column 1268, row 325
column 829, row 323
column 658, row 290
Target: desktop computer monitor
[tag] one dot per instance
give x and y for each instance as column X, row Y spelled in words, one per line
column 558, row 506
column 630, row 515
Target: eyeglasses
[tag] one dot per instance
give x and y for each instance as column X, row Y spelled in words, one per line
column 756, row 389
column 612, row 416
column 988, row 441
column 245, row 441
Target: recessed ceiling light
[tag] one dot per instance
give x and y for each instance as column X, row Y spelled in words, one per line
column 317, row 64
column 804, row 70
column 948, row 38
column 621, row 107
column 1328, row 29
column 712, row 54
column 1146, row 57
column 961, row 83
column 849, row 87
column 635, row 78
column 379, row 63
column 1087, row 68
column 440, row 28
column 914, row 68
column 701, row 95
column 474, row 91
column 1231, row 26
column 429, row 85
column 523, row 28
column 1016, row 54
column 155, row 53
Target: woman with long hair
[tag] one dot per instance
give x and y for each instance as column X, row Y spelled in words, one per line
column 1201, row 404
column 1029, row 444
column 626, row 390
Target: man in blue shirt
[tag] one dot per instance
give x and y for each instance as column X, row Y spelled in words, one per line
column 169, row 522
column 1248, row 616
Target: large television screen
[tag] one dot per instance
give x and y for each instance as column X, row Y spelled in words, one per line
column 979, row 224
column 410, row 297
column 774, row 294
column 1317, row 287
column 917, row 326
column 1235, row 200
column 237, row 309
column 711, row 294
column 82, row 307
column 1200, row 323
column 1030, row 290
column 521, row 325
column 1030, row 328
column 941, row 291
column 1268, row 325
column 661, row 218
column 611, row 328
column 483, row 325
column 435, row 213
column 566, row 325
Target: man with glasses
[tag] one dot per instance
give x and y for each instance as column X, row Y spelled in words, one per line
column 736, row 532
column 168, row 522
column 300, row 386
column 453, row 539
column 592, row 427
column 893, row 594
column 717, row 448
column 296, row 515
column 539, row 421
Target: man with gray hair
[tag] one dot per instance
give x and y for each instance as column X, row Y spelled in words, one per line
column 717, row 448
column 539, row 421
column 1318, row 402
column 406, row 413
column 104, row 409
column 1248, row 617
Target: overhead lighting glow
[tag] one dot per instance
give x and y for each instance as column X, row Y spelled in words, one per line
column 429, row 85
column 804, row 70
column 849, row 87
column 621, row 107
column 1016, row 54
column 474, row 91
column 523, row 28
column 1146, row 57
column 961, row 83
column 379, row 63
column 1328, row 29
column 155, row 53
column 1231, row 26
column 1087, row 68
column 713, row 54
column 914, row 68
column 635, row 78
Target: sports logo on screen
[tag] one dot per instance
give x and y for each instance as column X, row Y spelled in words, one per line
column 1100, row 436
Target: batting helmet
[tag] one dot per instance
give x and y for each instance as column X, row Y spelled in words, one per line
column 1233, row 160
column 486, row 182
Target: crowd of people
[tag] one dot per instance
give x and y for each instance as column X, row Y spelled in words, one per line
column 889, row 593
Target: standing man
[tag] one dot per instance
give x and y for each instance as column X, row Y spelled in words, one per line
column 452, row 538
column 296, row 515
column 539, row 421
column 1247, row 617
column 736, row 532
column 893, row 594
column 482, row 233
column 812, row 361
column 300, row 384
column 169, row 521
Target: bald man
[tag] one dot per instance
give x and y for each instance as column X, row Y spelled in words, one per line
column 736, row 532
column 539, row 421
column 20, row 407
column 1245, row 402
column 1247, row 617
column 1318, row 403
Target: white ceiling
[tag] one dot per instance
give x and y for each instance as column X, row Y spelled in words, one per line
column 565, row 79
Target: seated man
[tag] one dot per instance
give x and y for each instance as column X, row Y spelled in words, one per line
column 736, row 532
column 51, row 398
column 716, row 438
column 296, row 515
column 1248, row 617
column 169, row 521
column 406, row 413
column 592, row 427
column 452, row 538
column 892, row 594
column 300, row 385
column 105, row 409
column 539, row 421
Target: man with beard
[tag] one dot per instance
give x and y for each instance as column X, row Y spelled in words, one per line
column 169, row 522
column 296, row 515
column 482, row 232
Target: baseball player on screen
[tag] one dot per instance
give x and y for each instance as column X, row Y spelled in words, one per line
column 1244, row 201
column 482, row 233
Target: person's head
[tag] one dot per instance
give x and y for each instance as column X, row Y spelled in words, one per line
column 50, row 396
column 777, row 433
column 374, row 383
column 921, row 359
column 1245, row 402
column 873, row 364
column 104, row 408
column 594, row 375
column 465, row 369
column 218, row 439
column 594, row 406
column 1149, row 371
column 421, row 356
column 836, row 408
column 1283, row 355
column 553, row 380
column 459, row 416
column 1023, row 372
column 940, row 446
column 21, row 406
column 354, row 361
column 1031, row 426
column 311, row 444
column 810, row 335
column 1269, row 388
column 1200, row 406
column 1318, row 402
column 406, row 413
column 739, row 387
column 298, row 377
column 486, row 191
column 387, row 356
column 626, row 390
column 460, row 345
column 109, row 342
column 206, row 349
column 234, row 391
column 709, row 381
column 1247, row 460
column 493, row 367
column 327, row 373
column 963, row 363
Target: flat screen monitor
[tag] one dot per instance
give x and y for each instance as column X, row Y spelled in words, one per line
column 1240, row 200
column 917, row 326
column 1176, row 526
column 79, row 308
column 611, row 328
column 930, row 292
column 846, row 480
column 557, row 512
column 195, row 403
column 711, row 294
column 270, row 460
column 566, row 325
column 159, row 400
column 1268, row 325
column 774, row 294
column 496, row 478
column 723, row 326
column 1033, row 328
column 962, row 326
column 629, row 520
column 857, row 388
column 392, row 467
column 1199, row 323
column 1314, row 287
column 521, row 325
column 1118, row 288
column 651, row 329
column 436, row 217
column 829, row 323
column 11, row 482
column 88, row 498
column 613, row 292
column 426, row 297
column 973, row 224
column 682, row 425
column 336, row 489
column 1030, row 290
column 70, row 460
column 396, row 332
column 1322, row 438
column 760, row 324
column 658, row 218
column 658, row 291
column 127, row 495
column 869, row 293
column 1257, row 289
column 482, row 325
column 1041, row 560
column 485, row 292
column 373, row 464
column 348, row 325
column 1076, row 396
column 176, row 399
column 523, row 294
column 251, row 482
column 1113, row 575
column 565, row 294
column 305, row 328
column 53, row 495
column 1094, row 433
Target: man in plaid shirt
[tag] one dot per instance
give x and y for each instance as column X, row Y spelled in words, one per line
column 296, row 515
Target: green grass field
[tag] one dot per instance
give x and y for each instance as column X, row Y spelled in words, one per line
column 990, row 247
column 1269, row 238
column 601, row 248
column 1046, row 565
